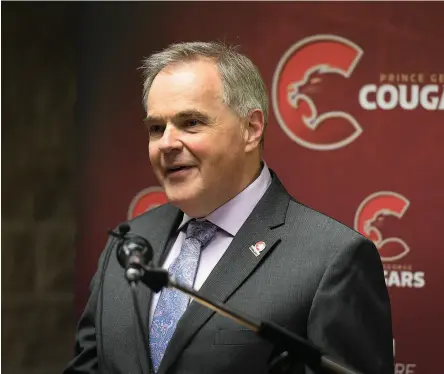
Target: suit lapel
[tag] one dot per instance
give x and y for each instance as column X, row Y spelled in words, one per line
column 157, row 228
column 235, row 266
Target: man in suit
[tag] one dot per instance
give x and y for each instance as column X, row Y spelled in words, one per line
column 231, row 231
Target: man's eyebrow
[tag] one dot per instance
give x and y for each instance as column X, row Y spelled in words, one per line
column 149, row 119
column 191, row 113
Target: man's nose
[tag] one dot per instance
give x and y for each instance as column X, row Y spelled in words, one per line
column 170, row 139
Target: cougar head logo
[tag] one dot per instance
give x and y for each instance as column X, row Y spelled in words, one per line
column 376, row 217
column 317, row 81
column 316, row 65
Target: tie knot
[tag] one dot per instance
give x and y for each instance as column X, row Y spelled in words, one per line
column 203, row 231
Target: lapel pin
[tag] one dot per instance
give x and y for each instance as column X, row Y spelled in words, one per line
column 257, row 248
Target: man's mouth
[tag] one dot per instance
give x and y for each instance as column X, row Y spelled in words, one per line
column 177, row 170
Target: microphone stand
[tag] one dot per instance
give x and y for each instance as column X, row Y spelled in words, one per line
column 294, row 345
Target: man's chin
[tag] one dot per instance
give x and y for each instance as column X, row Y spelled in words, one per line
column 186, row 202
column 179, row 197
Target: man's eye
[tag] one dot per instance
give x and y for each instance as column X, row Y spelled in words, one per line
column 192, row 122
column 155, row 129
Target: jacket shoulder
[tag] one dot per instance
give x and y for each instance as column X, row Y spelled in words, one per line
column 320, row 226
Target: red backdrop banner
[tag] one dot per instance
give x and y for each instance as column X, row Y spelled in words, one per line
column 356, row 130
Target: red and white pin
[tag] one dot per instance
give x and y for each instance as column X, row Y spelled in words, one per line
column 257, row 248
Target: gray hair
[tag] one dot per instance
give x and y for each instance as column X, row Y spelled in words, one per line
column 243, row 87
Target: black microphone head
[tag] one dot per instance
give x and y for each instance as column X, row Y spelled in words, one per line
column 134, row 246
column 124, row 229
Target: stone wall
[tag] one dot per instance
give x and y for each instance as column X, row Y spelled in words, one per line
column 38, row 189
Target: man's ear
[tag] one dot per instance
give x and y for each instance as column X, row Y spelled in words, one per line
column 254, row 128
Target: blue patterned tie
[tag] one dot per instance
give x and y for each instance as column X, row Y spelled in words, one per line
column 172, row 303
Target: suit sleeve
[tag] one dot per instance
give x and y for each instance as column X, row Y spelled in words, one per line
column 85, row 360
column 350, row 318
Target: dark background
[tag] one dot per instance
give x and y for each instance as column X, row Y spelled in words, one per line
column 39, row 137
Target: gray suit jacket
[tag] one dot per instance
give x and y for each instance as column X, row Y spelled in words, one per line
column 316, row 277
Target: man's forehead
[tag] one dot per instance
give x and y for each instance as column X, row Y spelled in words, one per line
column 195, row 74
column 184, row 89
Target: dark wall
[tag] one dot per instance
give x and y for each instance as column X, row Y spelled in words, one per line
column 38, row 189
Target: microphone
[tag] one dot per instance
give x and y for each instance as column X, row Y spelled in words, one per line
column 135, row 254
